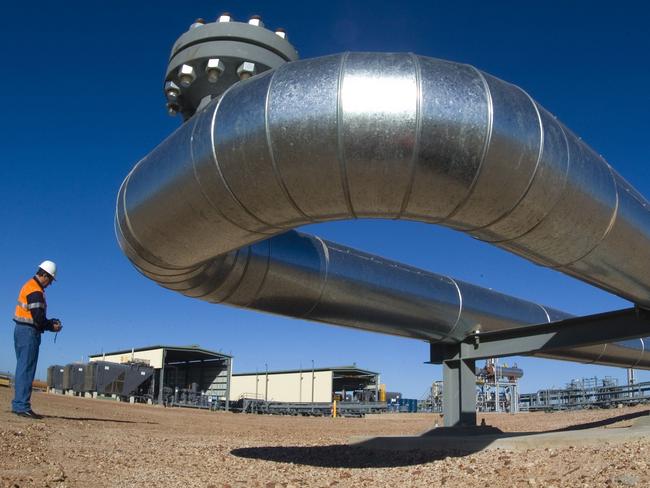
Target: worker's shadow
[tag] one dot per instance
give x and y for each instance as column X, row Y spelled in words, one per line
column 390, row 452
column 95, row 419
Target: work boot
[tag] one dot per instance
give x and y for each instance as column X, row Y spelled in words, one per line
column 29, row 414
column 22, row 414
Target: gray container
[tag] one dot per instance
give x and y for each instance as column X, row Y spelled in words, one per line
column 73, row 377
column 55, row 376
column 136, row 376
column 105, row 378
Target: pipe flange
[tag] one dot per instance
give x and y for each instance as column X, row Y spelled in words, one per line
column 210, row 57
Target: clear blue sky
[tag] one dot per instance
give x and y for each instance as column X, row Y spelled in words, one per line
column 81, row 99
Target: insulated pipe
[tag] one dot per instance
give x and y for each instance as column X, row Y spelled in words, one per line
column 208, row 212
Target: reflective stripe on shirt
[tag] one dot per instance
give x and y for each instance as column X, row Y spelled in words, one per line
column 30, row 306
column 23, row 320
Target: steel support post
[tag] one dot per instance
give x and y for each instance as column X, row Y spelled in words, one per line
column 201, row 375
column 162, row 379
column 228, row 379
column 459, row 394
column 153, row 387
column 497, row 403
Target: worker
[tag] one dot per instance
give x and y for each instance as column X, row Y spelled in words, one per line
column 31, row 322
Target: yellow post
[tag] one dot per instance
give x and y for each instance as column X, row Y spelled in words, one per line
column 334, row 409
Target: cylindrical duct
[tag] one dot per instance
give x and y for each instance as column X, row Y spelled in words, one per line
column 382, row 136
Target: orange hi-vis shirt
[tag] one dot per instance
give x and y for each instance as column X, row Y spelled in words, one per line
column 31, row 296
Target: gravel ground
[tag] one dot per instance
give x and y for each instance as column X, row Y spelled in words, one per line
column 85, row 442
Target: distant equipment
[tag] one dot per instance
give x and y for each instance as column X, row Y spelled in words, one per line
column 122, row 380
column 587, row 393
column 6, row 379
column 73, row 377
column 105, row 378
column 498, row 387
column 497, row 390
column 132, row 380
column 55, row 377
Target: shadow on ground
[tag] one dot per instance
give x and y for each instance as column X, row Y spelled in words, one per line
column 370, row 454
column 94, row 419
column 343, row 456
column 603, row 423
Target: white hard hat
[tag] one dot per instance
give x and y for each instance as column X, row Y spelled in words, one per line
column 49, row 267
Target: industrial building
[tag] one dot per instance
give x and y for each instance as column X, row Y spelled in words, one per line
column 189, row 375
column 342, row 390
column 317, row 385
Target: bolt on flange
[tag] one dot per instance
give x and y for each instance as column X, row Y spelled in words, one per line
column 213, row 69
column 172, row 109
column 225, row 17
column 256, row 20
column 246, row 70
column 172, row 91
column 186, row 75
column 210, row 57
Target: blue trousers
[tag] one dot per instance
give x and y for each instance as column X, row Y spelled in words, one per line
column 27, row 340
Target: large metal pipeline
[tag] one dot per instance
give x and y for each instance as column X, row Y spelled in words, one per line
column 208, row 213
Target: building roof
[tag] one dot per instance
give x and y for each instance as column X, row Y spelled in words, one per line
column 173, row 353
column 337, row 370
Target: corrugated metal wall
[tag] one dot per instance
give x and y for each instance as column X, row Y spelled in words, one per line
column 284, row 387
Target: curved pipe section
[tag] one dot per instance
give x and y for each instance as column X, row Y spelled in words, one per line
column 208, row 213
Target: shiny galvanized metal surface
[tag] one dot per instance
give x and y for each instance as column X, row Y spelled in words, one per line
column 208, row 213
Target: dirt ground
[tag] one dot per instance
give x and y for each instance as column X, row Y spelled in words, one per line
column 92, row 443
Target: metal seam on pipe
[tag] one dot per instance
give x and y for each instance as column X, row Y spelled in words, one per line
column 267, row 266
column 135, row 246
column 208, row 293
column 339, row 146
column 610, row 226
column 486, row 145
column 548, row 317
column 460, row 309
column 269, row 143
column 556, row 203
column 324, row 272
column 417, row 135
column 533, row 175
column 219, row 169
column 216, row 164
